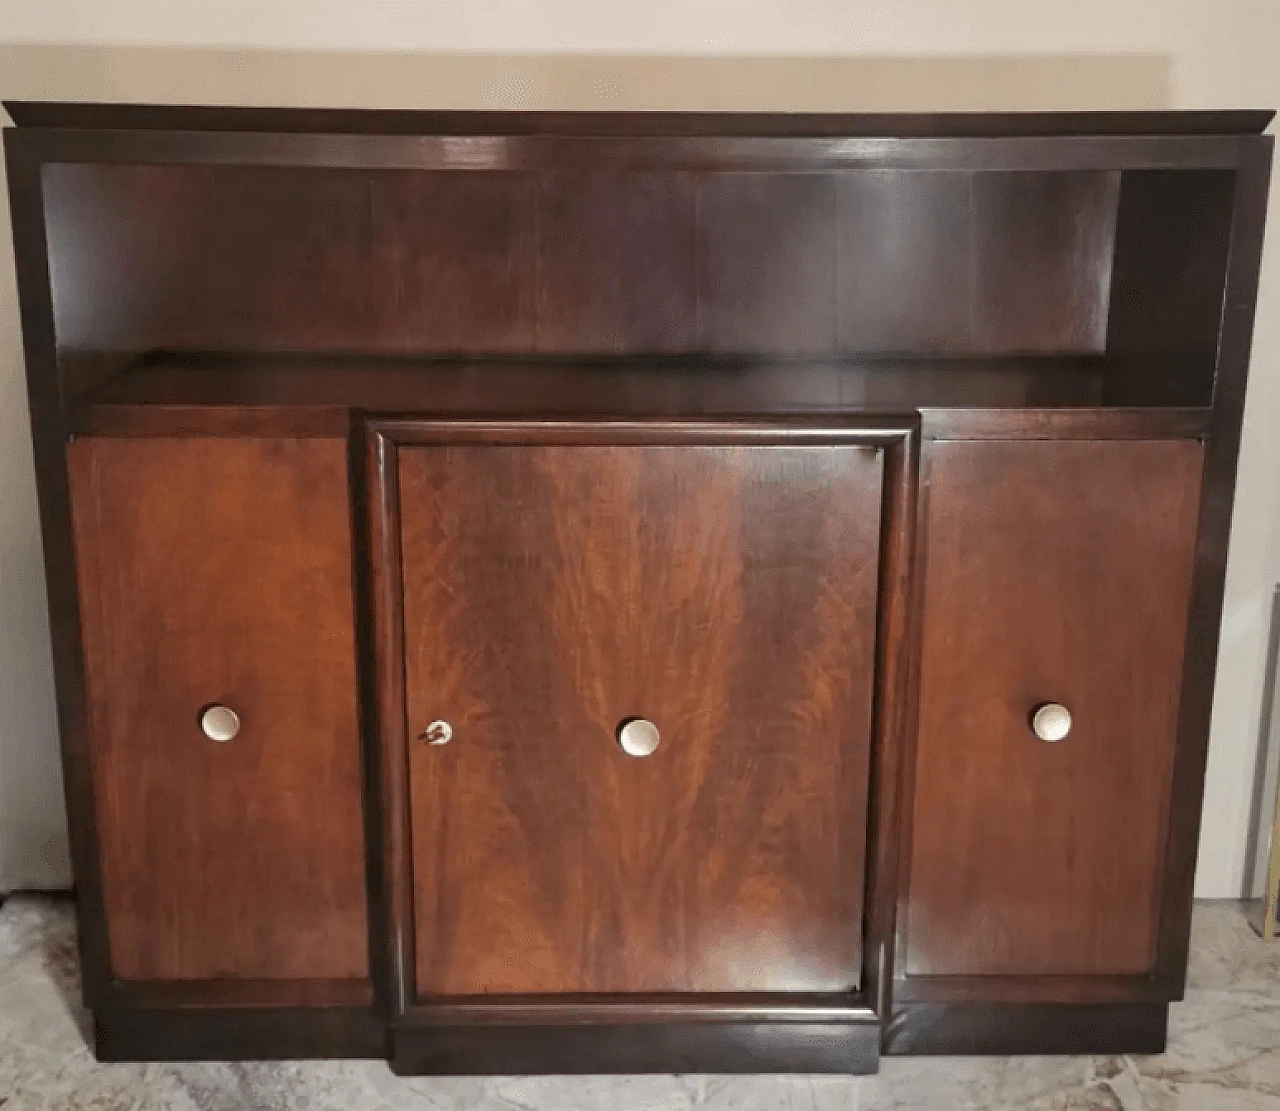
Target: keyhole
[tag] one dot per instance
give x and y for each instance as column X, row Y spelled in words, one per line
column 437, row 733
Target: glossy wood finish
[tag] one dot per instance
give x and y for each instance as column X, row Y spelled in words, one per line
column 616, row 262
column 768, row 269
column 1040, row 990
column 441, row 262
column 48, row 436
column 1036, row 399
column 1050, row 280
column 1030, row 858
column 725, row 1011
column 1067, row 424
column 896, row 651
column 648, row 1009
column 776, row 264
column 909, row 232
column 436, row 262
column 1235, row 337
column 223, row 994
column 1043, row 260
column 471, row 1050
column 967, row 1029
column 975, row 263
column 220, row 572
column 1167, row 286
column 260, row 1034
column 726, row 594
column 218, row 394
column 34, row 113
column 746, row 148
column 1021, row 398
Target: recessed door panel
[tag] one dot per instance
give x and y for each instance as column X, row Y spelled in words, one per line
column 638, row 685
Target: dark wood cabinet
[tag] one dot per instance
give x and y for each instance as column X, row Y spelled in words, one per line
column 561, row 593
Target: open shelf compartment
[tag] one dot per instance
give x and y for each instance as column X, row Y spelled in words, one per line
column 608, row 291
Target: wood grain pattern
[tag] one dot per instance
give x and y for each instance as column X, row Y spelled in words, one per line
column 897, row 639
column 238, row 1034
column 24, row 173
column 1167, row 285
column 1041, row 990
column 907, row 262
column 331, row 235
column 1045, row 584
column 1082, row 423
column 722, row 154
column 972, row 1029
column 617, row 264
column 847, row 1049
column 1222, row 449
column 220, row 571
column 1042, row 252
column 728, row 594
column 253, row 259
column 451, row 265
column 565, row 262
column 976, row 263
column 316, row 396
column 195, row 257
column 767, row 251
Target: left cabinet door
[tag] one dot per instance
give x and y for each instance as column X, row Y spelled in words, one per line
column 217, row 573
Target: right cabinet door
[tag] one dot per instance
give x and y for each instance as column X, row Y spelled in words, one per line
column 1058, row 573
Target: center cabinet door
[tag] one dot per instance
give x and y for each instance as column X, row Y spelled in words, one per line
column 726, row 595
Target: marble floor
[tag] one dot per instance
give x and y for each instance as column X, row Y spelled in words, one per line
column 1224, row 1055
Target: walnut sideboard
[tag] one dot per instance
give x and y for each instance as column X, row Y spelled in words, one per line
column 626, row 592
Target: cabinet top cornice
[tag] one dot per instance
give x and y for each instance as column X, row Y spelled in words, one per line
column 48, row 114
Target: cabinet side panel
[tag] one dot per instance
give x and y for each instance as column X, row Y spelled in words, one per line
column 218, row 571
column 1172, row 242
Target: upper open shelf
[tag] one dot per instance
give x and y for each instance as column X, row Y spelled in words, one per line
column 649, row 289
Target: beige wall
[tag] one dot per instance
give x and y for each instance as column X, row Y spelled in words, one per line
column 765, row 54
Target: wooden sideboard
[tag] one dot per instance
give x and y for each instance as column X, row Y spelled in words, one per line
column 578, row 593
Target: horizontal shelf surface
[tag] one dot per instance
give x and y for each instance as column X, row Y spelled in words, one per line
column 316, row 396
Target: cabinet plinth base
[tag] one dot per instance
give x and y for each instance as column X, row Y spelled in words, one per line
column 969, row 1029
column 683, row 1047
column 526, row 1049
column 226, row 1034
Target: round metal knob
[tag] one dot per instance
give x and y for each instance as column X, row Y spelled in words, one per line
column 219, row 723
column 437, row 733
column 1051, row 721
column 638, row 737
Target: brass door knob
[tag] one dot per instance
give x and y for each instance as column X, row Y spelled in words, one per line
column 638, row 737
column 1051, row 721
column 219, row 723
